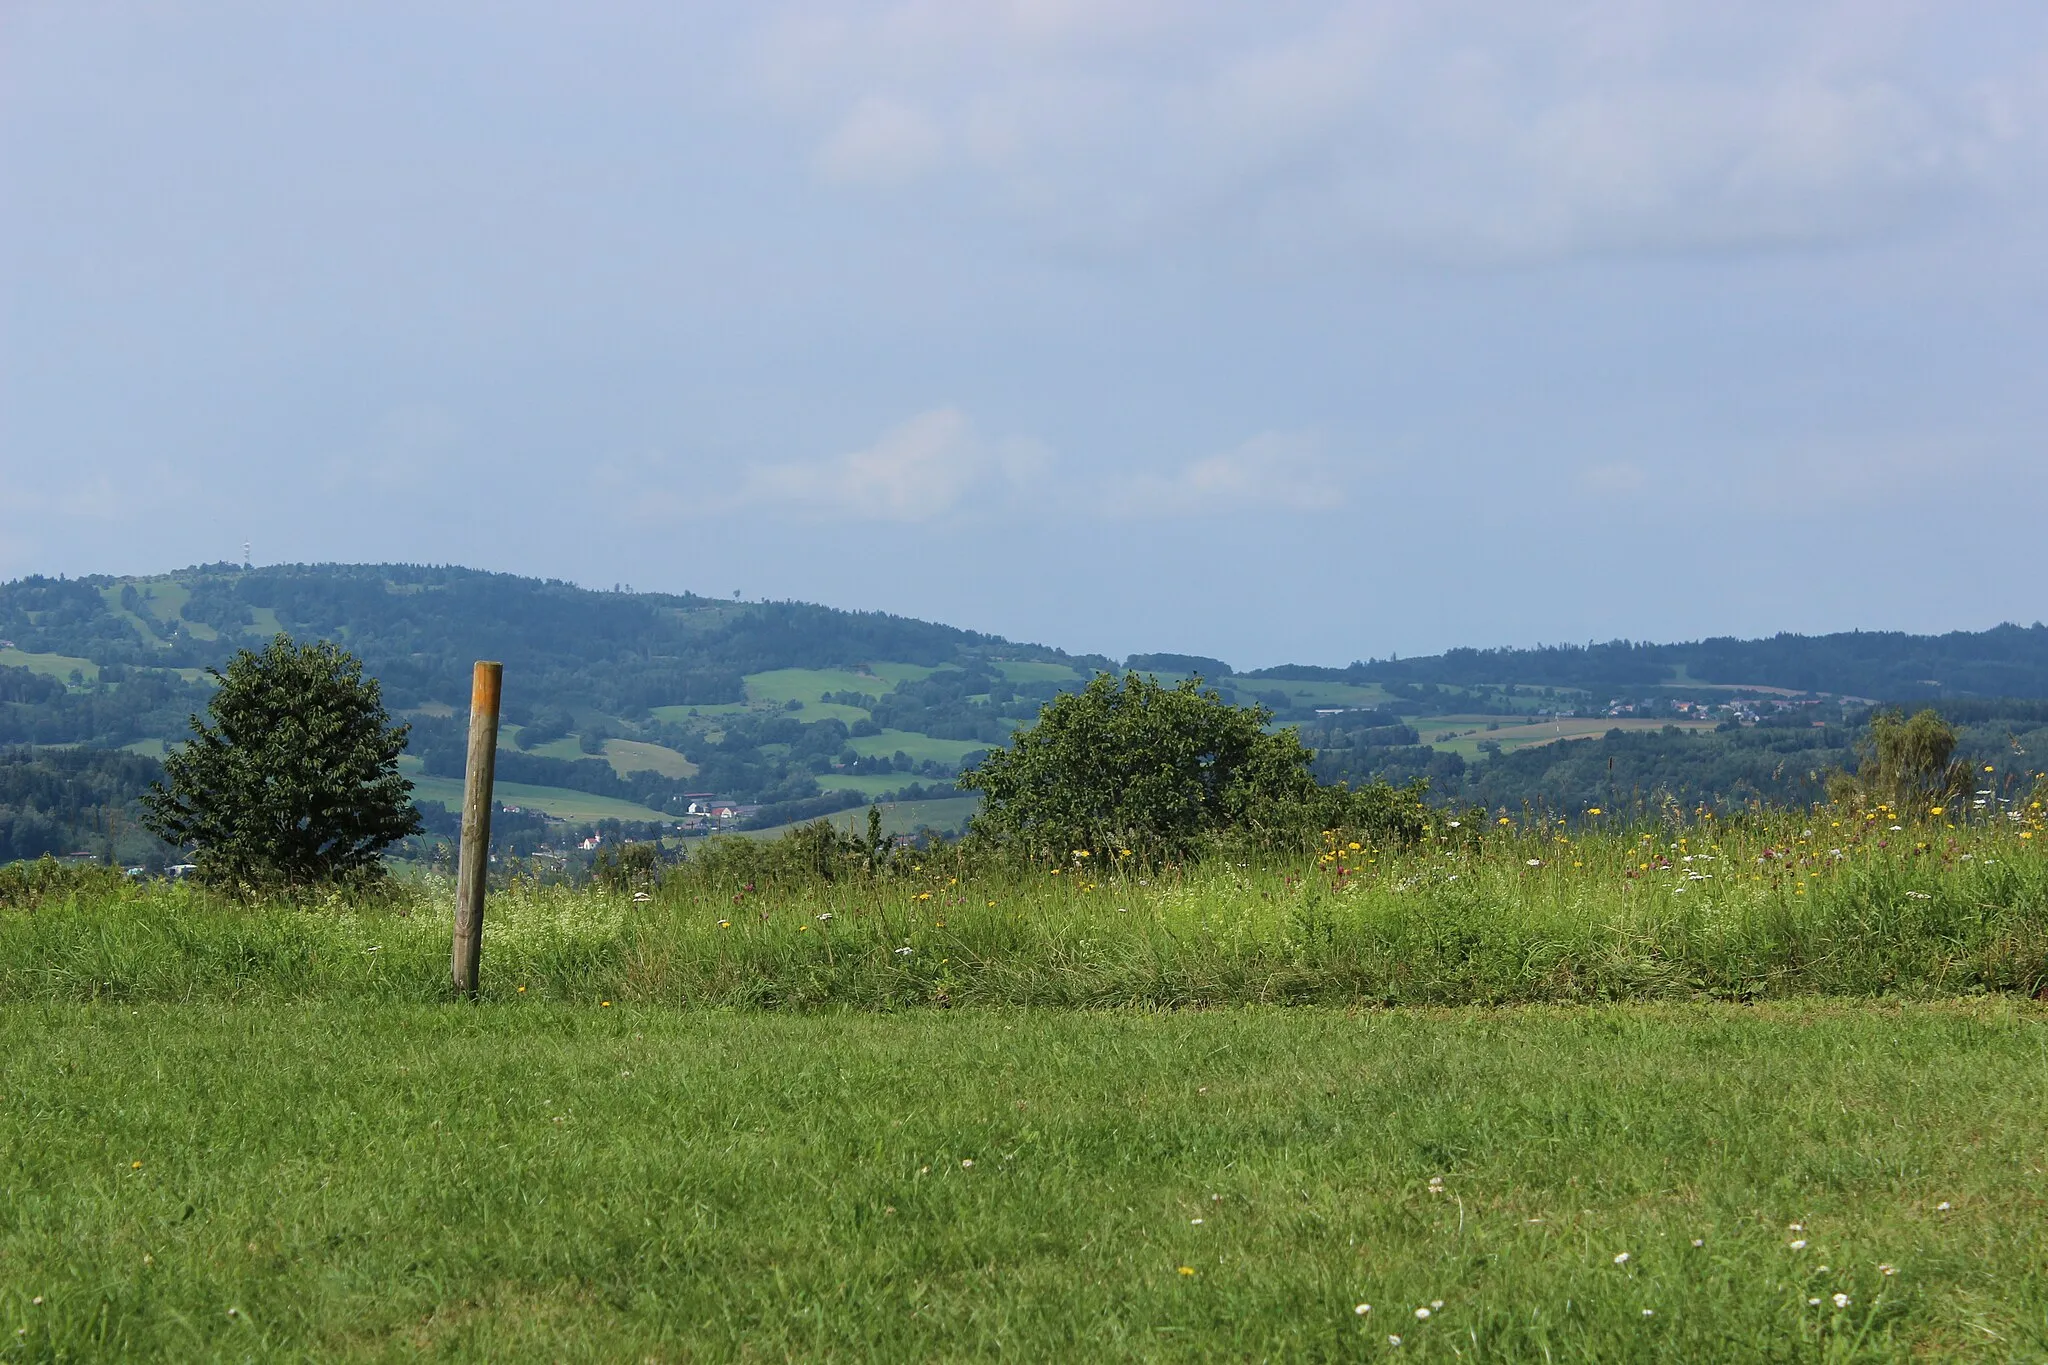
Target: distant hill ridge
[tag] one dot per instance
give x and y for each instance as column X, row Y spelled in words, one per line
column 637, row 706
column 418, row 627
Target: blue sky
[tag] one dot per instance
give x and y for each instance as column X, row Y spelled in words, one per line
column 1281, row 332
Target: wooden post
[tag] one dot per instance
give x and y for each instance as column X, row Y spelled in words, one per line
column 476, row 827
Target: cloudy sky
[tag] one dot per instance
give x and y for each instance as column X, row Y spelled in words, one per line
column 1287, row 331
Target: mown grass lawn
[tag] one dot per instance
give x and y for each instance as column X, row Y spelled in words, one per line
column 521, row 1180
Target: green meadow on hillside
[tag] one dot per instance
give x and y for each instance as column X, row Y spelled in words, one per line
column 1715, row 1089
column 547, row 1181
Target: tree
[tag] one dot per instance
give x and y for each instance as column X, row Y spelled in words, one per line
column 1127, row 764
column 296, row 780
column 1909, row 763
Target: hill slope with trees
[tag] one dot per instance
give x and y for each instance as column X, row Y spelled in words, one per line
column 638, row 705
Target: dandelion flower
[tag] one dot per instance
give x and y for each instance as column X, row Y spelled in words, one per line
column 1621, row 1258
column 1362, row 1309
column 1841, row 1300
column 1187, row 1270
column 723, row 924
column 136, row 1166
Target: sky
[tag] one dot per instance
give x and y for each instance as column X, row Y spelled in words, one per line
column 1288, row 332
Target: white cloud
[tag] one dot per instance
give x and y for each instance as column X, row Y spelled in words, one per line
column 917, row 471
column 1274, row 469
column 1450, row 130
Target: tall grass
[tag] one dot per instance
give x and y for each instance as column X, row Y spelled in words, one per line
column 1767, row 907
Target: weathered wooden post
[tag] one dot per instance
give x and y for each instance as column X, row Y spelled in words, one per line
column 475, row 866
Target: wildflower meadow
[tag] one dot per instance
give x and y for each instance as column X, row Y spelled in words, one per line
column 1763, row 1086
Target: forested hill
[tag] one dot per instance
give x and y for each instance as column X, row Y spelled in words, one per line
column 2005, row 661
column 418, row 629
column 639, row 707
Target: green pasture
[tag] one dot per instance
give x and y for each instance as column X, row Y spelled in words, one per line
column 560, row 802
column 58, row 666
column 898, row 817
column 633, row 756
column 1311, row 693
column 1528, row 732
column 808, row 684
column 683, row 715
column 918, row 747
column 528, row 1180
column 1031, row 671
column 866, row 784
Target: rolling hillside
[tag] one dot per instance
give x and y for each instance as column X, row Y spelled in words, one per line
column 641, row 706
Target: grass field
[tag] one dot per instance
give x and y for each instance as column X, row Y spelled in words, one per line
column 873, row 785
column 1766, row 1088
column 1312, row 693
column 1469, row 732
column 919, row 747
column 533, row 1181
column 632, row 756
column 1029, row 671
column 58, row 666
column 808, row 684
column 560, row 802
column 1717, row 911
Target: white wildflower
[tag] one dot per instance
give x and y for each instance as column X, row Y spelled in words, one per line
column 1362, row 1309
column 1621, row 1258
column 1841, row 1300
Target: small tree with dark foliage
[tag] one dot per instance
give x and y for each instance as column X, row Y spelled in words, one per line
column 296, row 781
column 1127, row 767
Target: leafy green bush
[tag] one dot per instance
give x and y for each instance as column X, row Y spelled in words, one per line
column 1130, row 767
